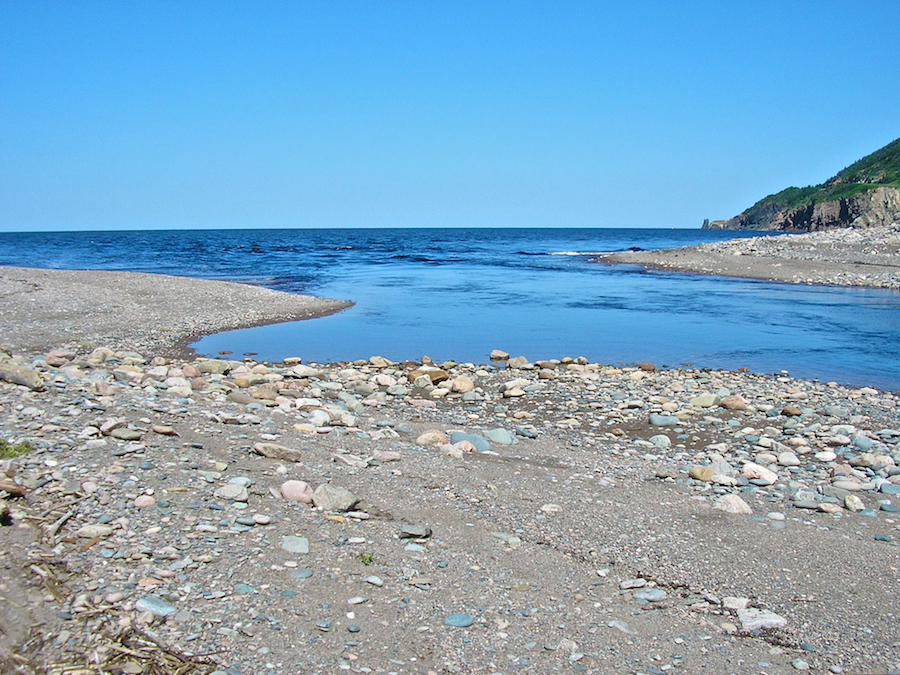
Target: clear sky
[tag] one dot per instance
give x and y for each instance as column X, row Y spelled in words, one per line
column 144, row 115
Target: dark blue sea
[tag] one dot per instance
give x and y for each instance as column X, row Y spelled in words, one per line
column 459, row 293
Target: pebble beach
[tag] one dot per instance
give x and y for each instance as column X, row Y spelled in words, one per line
column 232, row 516
column 843, row 257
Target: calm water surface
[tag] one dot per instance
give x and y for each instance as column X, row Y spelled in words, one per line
column 460, row 293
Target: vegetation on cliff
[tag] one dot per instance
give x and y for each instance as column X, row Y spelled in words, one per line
column 880, row 169
column 866, row 193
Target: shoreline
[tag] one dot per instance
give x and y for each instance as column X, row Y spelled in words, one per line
column 583, row 507
column 863, row 258
column 45, row 309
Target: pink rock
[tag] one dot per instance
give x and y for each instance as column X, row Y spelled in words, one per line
column 386, row 456
column 733, row 403
column 753, row 471
column 58, row 357
column 190, row 372
column 462, row 384
column 733, row 504
column 432, row 437
column 144, row 501
column 297, row 491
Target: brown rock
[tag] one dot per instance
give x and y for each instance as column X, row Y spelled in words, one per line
column 702, row 473
column 462, row 384
column 734, row 403
column 190, row 371
column 275, row 451
column 647, row 367
column 791, row 411
column 432, row 438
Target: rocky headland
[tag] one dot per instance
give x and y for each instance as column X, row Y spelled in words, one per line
column 167, row 513
column 865, row 194
column 837, row 257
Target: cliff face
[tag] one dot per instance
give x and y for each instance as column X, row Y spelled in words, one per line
column 865, row 194
column 877, row 207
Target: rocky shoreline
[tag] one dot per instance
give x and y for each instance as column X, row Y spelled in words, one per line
column 840, row 257
column 206, row 515
column 424, row 518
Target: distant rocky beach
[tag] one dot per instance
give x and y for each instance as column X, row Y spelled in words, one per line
column 233, row 516
column 837, row 257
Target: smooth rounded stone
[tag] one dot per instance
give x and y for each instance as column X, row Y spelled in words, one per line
column 213, row 367
column 652, row 595
column 868, row 513
column 462, row 384
column 157, row 607
column 733, row 504
column 144, row 501
column 775, row 515
column 853, row 503
column 459, row 620
column 357, row 600
column 864, row 459
column 332, row 498
column 658, row 420
column 374, row 580
column 828, row 507
column 800, row 664
column 835, row 411
column 244, row 589
column 480, row 443
column 301, row 573
column 702, row 473
column 889, row 508
column 661, row 441
column 705, row 401
column 297, row 491
column 237, row 493
column 760, row 619
column 432, row 438
column 293, row 544
column 847, row 485
column 245, row 520
column 398, row 390
column 825, row 456
column 632, row 583
column 91, row 531
column 810, row 504
column 788, row 459
column 353, row 628
column 500, row 435
column 243, row 481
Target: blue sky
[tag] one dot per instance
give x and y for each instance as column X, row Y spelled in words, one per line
column 145, row 115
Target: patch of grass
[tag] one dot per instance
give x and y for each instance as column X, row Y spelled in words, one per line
column 365, row 558
column 9, row 451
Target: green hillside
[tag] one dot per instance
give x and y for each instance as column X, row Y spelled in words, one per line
column 881, row 168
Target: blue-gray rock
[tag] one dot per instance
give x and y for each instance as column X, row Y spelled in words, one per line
column 157, row 607
column 889, row 488
column 414, row 532
column 332, row 498
column 301, row 573
column 525, row 432
column 480, row 442
column 652, row 595
column 293, row 544
column 658, row 420
column 501, row 436
column 459, row 620
column 244, row 589
column 661, row 441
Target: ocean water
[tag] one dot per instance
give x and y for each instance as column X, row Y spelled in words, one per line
column 459, row 293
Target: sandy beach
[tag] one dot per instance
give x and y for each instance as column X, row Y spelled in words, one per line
column 869, row 257
column 231, row 516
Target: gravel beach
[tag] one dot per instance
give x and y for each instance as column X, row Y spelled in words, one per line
column 160, row 314
column 519, row 516
column 845, row 257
